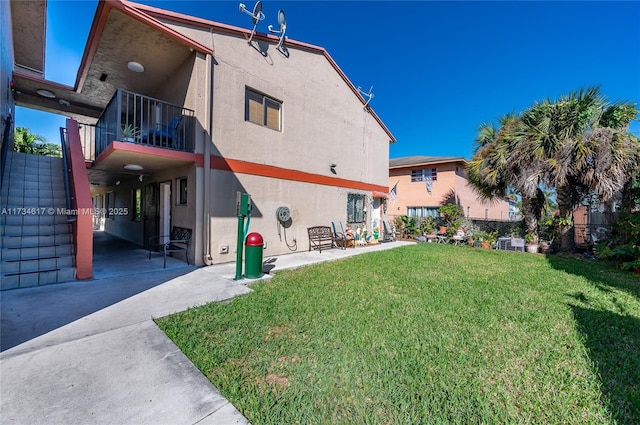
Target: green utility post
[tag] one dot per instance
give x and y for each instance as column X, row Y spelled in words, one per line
column 243, row 209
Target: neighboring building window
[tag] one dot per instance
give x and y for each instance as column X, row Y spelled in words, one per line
column 136, row 201
column 182, row 191
column 421, row 175
column 355, row 208
column 263, row 110
column 422, row 212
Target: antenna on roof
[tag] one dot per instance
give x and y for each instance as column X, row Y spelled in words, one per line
column 256, row 15
column 369, row 96
column 282, row 23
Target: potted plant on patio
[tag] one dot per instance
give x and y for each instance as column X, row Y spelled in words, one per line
column 531, row 243
column 130, row 133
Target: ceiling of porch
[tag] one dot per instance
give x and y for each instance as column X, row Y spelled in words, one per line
column 118, row 39
column 109, row 167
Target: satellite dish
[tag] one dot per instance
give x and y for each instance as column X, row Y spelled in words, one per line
column 282, row 23
column 369, row 96
column 256, row 15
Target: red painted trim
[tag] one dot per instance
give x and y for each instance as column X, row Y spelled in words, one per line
column 99, row 20
column 251, row 168
column 147, row 150
column 82, row 228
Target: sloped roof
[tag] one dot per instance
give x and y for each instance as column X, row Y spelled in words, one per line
column 157, row 14
column 412, row 161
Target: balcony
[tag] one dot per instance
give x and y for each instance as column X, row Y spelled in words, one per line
column 134, row 118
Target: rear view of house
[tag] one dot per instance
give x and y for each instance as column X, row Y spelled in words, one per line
column 172, row 116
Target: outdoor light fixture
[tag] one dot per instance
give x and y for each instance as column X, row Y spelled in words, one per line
column 135, row 66
column 46, row 93
column 133, row 167
column 332, row 167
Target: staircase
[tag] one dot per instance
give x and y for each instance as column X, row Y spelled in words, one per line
column 36, row 246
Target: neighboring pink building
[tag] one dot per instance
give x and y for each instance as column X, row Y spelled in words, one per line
column 408, row 178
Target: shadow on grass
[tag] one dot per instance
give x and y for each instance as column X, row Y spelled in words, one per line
column 602, row 274
column 613, row 344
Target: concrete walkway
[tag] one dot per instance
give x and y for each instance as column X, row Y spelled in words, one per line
column 90, row 353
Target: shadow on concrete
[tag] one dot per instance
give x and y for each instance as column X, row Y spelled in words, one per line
column 121, row 270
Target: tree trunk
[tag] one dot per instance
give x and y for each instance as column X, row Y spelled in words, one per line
column 564, row 228
column 530, row 218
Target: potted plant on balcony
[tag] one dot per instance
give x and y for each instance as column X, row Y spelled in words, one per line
column 531, row 243
column 130, row 133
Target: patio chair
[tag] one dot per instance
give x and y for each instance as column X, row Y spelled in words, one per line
column 341, row 238
column 459, row 237
column 441, row 234
column 389, row 236
column 166, row 134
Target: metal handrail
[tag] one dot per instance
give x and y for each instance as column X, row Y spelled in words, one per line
column 147, row 120
column 65, row 161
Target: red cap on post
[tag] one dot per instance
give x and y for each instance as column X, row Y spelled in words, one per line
column 254, row 239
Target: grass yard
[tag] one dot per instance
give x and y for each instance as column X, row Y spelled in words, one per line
column 426, row 334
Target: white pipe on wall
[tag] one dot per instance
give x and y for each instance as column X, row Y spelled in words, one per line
column 208, row 139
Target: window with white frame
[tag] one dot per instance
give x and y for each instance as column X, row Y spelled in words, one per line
column 422, row 212
column 262, row 109
column 422, row 174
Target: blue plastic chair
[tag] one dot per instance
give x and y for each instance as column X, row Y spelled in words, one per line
column 166, row 133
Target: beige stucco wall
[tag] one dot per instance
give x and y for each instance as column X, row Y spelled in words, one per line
column 323, row 122
column 451, row 185
column 123, row 226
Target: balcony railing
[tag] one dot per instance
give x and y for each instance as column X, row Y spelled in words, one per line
column 134, row 118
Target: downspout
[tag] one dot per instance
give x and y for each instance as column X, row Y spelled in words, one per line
column 208, row 139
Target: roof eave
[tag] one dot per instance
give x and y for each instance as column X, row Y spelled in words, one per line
column 132, row 10
column 229, row 29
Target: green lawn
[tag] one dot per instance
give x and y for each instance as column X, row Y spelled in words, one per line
column 426, row 334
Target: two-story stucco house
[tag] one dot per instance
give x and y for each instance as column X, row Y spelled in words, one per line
column 410, row 178
column 174, row 115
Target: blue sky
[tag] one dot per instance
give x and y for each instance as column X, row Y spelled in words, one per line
column 438, row 69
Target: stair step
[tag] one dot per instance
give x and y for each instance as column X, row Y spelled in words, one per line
column 35, row 241
column 38, row 278
column 36, row 229
column 15, row 267
column 34, row 253
column 45, row 219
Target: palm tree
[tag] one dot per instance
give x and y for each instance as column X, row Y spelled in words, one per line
column 584, row 148
column 498, row 167
column 578, row 145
